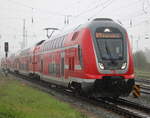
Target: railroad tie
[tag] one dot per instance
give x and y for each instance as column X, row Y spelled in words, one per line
column 136, row 91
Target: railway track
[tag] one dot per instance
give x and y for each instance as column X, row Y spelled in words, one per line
column 120, row 106
column 145, row 90
column 145, row 81
column 144, row 85
column 126, row 108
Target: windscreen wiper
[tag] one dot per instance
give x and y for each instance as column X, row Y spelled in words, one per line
column 108, row 52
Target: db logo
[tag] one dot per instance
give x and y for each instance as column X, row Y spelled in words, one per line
column 113, row 71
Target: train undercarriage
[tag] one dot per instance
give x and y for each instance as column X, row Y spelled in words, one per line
column 106, row 87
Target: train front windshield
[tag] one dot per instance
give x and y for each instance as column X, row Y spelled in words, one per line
column 110, row 48
column 110, row 44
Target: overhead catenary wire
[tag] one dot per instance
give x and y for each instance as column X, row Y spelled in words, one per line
column 80, row 14
column 125, row 7
column 93, row 8
column 37, row 9
column 104, row 7
column 60, row 14
column 101, row 4
column 105, row 4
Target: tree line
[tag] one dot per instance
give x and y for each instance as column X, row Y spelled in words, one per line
column 142, row 60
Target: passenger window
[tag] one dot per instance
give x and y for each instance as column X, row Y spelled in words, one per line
column 75, row 35
column 57, row 42
column 52, row 44
column 62, row 41
column 48, row 46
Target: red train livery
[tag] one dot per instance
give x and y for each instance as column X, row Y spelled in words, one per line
column 95, row 58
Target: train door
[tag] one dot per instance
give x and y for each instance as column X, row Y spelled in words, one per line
column 34, row 61
column 62, row 66
column 41, row 66
column 27, row 65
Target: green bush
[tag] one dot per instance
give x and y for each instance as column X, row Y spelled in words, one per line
column 140, row 61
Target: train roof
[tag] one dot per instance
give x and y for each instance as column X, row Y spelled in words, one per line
column 90, row 24
column 104, row 22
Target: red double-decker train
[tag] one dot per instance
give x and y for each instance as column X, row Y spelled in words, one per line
column 95, row 58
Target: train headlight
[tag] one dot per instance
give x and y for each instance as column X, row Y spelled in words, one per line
column 101, row 66
column 124, row 65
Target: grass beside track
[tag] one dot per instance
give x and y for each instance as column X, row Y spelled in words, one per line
column 18, row 100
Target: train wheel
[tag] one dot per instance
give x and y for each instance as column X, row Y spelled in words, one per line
column 75, row 87
column 115, row 97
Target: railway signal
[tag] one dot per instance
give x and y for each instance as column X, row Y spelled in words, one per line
column 6, row 48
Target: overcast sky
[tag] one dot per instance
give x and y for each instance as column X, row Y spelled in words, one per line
column 133, row 14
